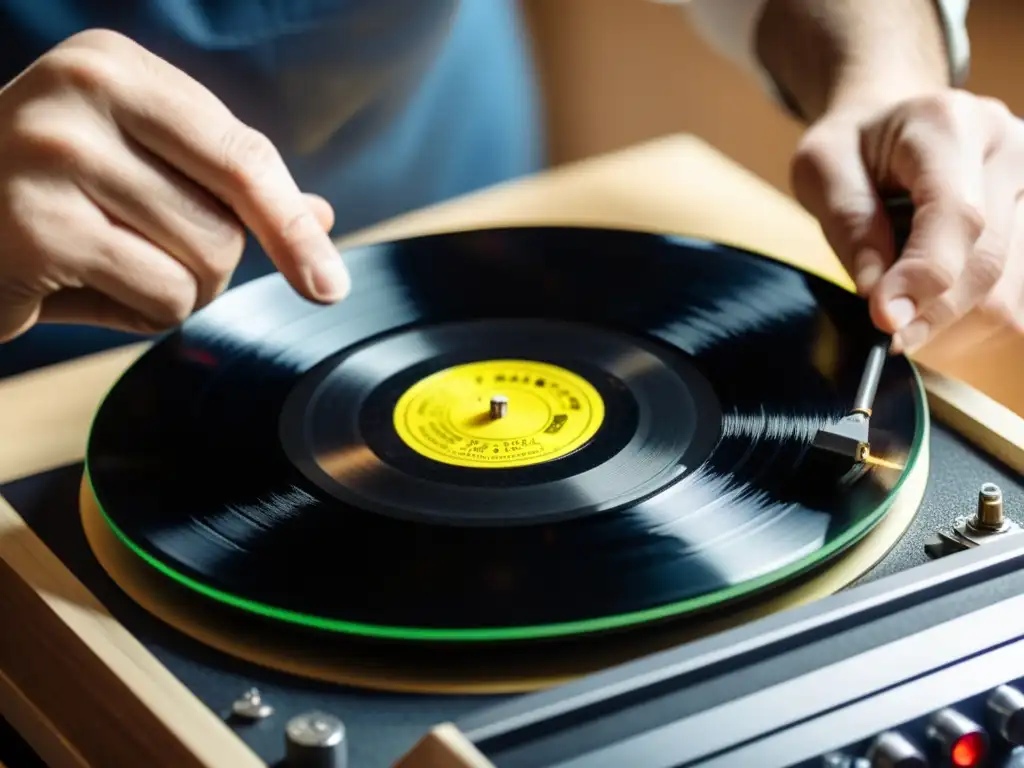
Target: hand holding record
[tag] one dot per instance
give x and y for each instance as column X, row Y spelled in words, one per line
column 125, row 191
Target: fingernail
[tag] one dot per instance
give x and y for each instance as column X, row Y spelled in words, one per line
column 867, row 270
column 901, row 311
column 911, row 338
column 331, row 280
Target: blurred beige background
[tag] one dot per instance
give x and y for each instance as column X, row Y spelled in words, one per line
column 617, row 72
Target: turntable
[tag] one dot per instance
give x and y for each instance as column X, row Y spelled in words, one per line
column 529, row 447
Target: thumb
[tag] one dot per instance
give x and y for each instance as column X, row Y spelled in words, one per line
column 17, row 316
column 831, row 181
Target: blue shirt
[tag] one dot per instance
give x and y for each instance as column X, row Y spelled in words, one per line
column 380, row 106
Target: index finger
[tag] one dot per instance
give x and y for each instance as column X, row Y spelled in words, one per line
column 187, row 126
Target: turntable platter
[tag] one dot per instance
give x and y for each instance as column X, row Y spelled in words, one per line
column 503, row 435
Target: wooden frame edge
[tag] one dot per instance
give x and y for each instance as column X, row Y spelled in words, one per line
column 70, row 655
column 444, row 747
column 36, row 729
column 988, row 425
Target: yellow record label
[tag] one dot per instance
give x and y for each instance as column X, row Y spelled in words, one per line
column 499, row 414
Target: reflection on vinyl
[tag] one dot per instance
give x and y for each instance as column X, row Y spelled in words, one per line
column 502, row 435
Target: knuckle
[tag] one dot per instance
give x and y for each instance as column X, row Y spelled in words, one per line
column 216, row 264
column 942, row 310
column 299, row 240
column 227, row 241
column 933, row 115
column 85, row 69
column 906, row 151
column 950, row 212
column 809, row 155
column 935, row 275
column 843, row 210
column 176, row 304
column 939, row 109
column 807, row 162
column 997, row 108
column 208, row 270
column 179, row 309
column 48, row 144
column 169, row 295
column 1002, row 128
column 301, row 229
column 32, row 219
column 39, row 222
column 848, row 218
column 246, row 155
column 219, row 238
column 101, row 39
column 971, row 218
column 1013, row 149
column 987, row 263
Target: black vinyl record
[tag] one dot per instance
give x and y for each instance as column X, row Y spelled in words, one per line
column 502, row 434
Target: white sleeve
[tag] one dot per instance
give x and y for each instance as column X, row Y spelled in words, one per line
column 730, row 25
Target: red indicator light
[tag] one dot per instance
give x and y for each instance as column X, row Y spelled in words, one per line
column 963, row 740
column 968, row 751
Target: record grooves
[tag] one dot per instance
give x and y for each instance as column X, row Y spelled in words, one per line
column 336, row 467
column 340, row 410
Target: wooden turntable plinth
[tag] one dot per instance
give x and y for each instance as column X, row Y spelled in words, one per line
column 72, row 678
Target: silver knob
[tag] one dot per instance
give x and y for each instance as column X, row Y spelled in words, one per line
column 1006, row 711
column 316, row 740
column 251, row 706
column 990, row 514
column 893, row 750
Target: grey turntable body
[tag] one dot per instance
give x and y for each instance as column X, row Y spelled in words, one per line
column 380, row 727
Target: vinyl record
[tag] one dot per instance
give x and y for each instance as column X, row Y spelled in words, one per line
column 502, row 435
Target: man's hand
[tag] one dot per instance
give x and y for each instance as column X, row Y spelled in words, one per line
column 872, row 79
column 125, row 191
column 961, row 159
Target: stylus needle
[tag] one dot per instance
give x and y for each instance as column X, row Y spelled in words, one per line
column 877, row 461
column 849, row 437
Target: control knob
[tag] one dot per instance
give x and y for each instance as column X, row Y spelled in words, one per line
column 1006, row 712
column 957, row 739
column 893, row 750
column 316, row 740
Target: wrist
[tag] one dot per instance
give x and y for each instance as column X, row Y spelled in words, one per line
column 855, row 94
column 826, row 55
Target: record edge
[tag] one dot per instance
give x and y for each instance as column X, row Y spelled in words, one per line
column 595, row 625
column 554, row 630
